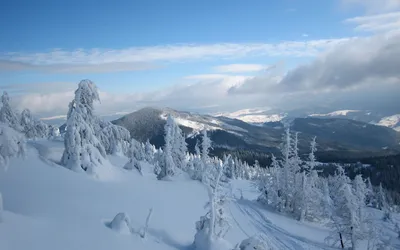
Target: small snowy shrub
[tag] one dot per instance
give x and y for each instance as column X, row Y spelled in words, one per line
column 133, row 164
column 121, row 224
column 143, row 230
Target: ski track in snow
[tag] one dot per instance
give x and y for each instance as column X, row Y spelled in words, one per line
column 277, row 237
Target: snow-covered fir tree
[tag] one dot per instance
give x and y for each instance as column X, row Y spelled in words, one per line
column 348, row 220
column 370, row 195
column 33, row 128
column 149, row 151
column 12, row 144
column 167, row 164
column 230, row 167
column 270, row 185
column 136, row 156
column 83, row 150
column 212, row 227
column 382, row 203
column 197, row 164
column 290, row 166
column 205, row 147
column 179, row 147
column 308, row 196
column 175, row 149
column 7, row 113
column 115, row 139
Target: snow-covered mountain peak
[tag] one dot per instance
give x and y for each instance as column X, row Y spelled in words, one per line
column 392, row 121
column 254, row 116
column 337, row 113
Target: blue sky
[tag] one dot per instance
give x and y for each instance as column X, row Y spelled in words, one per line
column 143, row 46
column 37, row 26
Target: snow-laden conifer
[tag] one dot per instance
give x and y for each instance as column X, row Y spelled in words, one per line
column 33, row 128
column 83, row 150
column 115, row 139
column 7, row 113
column 167, row 164
column 212, row 227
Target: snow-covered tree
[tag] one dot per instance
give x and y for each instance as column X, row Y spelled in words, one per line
column 12, row 144
column 308, row 196
column 167, row 164
column 83, row 150
column 290, row 166
column 179, row 147
column 311, row 157
column 230, row 168
column 197, row 172
column 7, row 113
column 115, row 139
column 370, row 195
column 137, row 151
column 327, row 203
column 137, row 155
column 158, row 159
column 215, row 224
column 205, row 147
column 346, row 217
column 360, row 191
column 383, row 204
column 33, row 128
column 54, row 131
column 175, row 149
column 149, row 151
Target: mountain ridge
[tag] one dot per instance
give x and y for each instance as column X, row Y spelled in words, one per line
column 334, row 135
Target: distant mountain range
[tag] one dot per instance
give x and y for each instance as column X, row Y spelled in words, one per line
column 335, row 135
column 260, row 116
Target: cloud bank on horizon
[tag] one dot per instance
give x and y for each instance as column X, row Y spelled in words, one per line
column 357, row 69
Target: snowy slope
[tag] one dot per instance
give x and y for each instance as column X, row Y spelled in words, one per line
column 49, row 207
column 391, row 122
column 253, row 116
column 337, row 113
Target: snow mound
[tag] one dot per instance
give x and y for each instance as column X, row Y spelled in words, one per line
column 133, row 164
column 253, row 244
column 121, row 224
column 203, row 242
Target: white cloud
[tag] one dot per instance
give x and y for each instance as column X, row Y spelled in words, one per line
column 359, row 73
column 39, row 87
column 206, row 76
column 374, row 6
column 377, row 23
column 139, row 58
column 357, row 62
column 238, row 68
column 71, row 68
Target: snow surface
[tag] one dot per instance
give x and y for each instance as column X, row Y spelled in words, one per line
column 50, row 207
column 198, row 123
column 255, row 116
column 391, row 122
column 337, row 113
